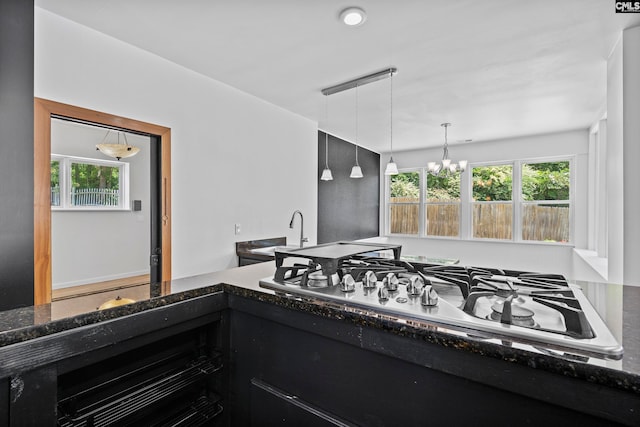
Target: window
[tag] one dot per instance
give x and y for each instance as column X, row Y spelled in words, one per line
column 442, row 205
column 89, row 184
column 545, row 201
column 523, row 200
column 55, row 182
column 404, row 203
column 492, row 209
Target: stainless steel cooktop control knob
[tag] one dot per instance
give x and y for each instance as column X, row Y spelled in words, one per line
column 390, row 282
column 429, row 297
column 415, row 285
column 369, row 280
column 348, row 283
column 383, row 294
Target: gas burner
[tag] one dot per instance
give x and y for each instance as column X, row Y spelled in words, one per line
column 512, row 312
column 486, row 302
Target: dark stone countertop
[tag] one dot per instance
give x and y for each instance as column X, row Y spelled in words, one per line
column 252, row 248
column 618, row 305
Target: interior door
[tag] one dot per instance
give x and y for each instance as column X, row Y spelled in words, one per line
column 44, row 110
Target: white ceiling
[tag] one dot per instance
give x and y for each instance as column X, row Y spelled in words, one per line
column 493, row 68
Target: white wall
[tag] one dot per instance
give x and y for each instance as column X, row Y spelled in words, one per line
column 526, row 256
column 631, row 59
column 94, row 246
column 235, row 158
column 623, row 135
column 614, row 173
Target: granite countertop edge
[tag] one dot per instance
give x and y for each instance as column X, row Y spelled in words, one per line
column 12, row 335
column 18, row 325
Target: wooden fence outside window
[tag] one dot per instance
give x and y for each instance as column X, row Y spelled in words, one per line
column 490, row 220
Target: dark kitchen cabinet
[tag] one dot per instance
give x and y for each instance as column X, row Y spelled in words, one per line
column 231, row 360
column 164, row 366
column 247, row 256
column 272, row 406
column 338, row 370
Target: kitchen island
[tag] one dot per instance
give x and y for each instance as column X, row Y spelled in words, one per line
column 299, row 360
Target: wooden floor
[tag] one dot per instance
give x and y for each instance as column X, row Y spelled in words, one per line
column 85, row 298
column 93, row 288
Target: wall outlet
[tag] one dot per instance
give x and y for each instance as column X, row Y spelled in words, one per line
column 237, row 228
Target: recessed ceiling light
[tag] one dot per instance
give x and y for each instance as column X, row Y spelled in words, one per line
column 353, row 16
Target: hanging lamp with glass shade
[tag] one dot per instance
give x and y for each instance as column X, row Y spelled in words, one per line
column 356, row 170
column 326, row 172
column 117, row 150
column 392, row 168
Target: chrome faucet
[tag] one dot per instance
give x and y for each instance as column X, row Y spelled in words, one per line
column 302, row 238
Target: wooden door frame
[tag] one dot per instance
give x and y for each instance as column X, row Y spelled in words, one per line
column 43, row 111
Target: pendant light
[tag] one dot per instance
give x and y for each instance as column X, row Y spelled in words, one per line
column 356, row 171
column 446, row 167
column 326, row 173
column 392, row 168
column 118, row 150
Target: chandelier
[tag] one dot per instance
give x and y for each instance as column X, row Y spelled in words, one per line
column 446, row 166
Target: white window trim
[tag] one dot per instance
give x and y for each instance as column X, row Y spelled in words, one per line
column 466, row 202
column 65, row 178
column 387, row 205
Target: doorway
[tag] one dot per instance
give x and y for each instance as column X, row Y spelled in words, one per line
column 159, row 198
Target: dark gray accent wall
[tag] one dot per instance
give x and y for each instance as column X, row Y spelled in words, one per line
column 16, row 153
column 348, row 208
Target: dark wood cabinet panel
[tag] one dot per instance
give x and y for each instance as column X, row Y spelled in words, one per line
column 270, row 406
column 335, row 367
column 241, row 361
column 33, row 398
column 16, row 153
column 157, row 367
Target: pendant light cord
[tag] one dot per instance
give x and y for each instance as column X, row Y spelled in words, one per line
column 391, row 112
column 357, row 164
column 326, row 133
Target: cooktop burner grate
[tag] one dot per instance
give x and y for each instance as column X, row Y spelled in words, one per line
column 535, row 307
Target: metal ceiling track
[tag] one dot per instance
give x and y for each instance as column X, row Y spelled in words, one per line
column 360, row 81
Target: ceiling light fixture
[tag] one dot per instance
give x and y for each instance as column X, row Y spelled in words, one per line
column 446, row 167
column 326, row 173
column 356, row 170
column 353, row 16
column 117, row 150
column 392, row 168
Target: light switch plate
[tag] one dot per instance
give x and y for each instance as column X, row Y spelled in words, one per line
column 237, row 228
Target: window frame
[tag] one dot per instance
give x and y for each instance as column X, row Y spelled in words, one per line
column 64, row 176
column 470, row 202
column 423, row 217
column 420, row 201
column 466, row 202
column 570, row 201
